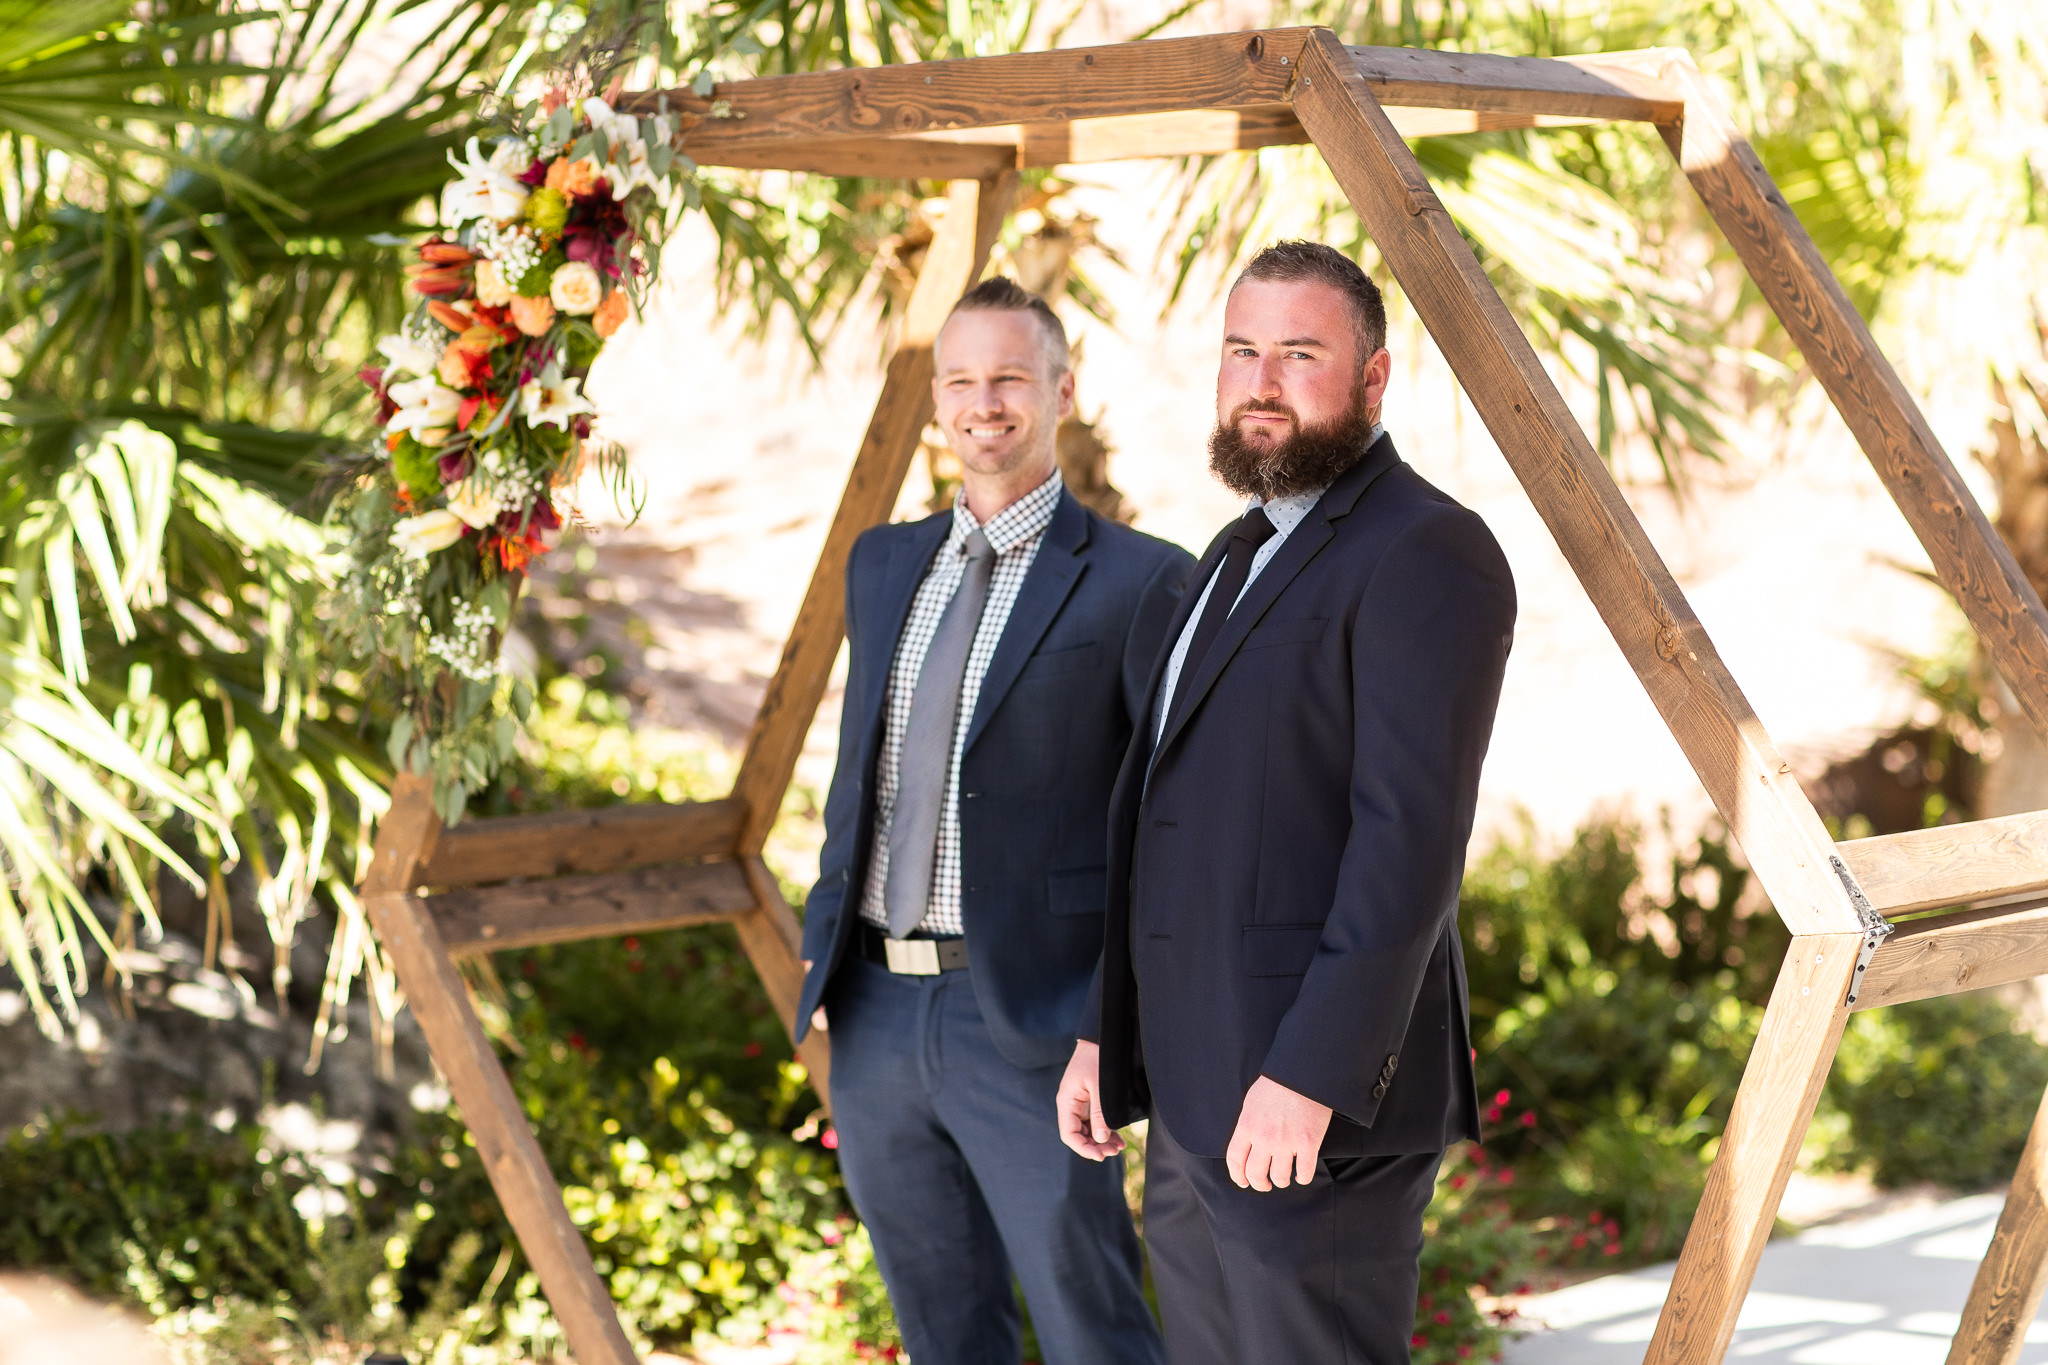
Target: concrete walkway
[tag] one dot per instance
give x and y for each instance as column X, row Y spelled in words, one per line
column 1880, row 1290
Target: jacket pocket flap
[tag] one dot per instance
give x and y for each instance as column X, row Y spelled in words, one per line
column 1286, row 633
column 1280, row 949
column 1057, row 661
column 1081, row 892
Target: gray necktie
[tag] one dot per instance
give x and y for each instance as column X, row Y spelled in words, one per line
column 927, row 757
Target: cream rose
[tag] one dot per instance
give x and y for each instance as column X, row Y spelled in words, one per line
column 417, row 537
column 576, row 288
column 491, row 289
column 475, row 504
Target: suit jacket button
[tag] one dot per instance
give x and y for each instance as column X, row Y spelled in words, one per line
column 1379, row 1091
column 1392, row 1062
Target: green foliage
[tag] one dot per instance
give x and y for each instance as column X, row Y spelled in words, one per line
column 1472, row 1249
column 1613, row 1019
column 1941, row 1090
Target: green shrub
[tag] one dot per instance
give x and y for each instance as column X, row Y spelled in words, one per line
column 1941, row 1090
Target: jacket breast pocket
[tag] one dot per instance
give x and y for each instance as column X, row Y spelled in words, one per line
column 1053, row 663
column 1286, row 633
column 1280, row 949
column 1084, row 891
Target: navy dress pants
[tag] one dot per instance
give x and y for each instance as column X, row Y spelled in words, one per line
column 954, row 1162
column 1316, row 1274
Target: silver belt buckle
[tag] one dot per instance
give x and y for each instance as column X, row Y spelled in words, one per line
column 912, row 956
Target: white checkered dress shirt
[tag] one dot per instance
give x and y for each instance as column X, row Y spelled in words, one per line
column 1014, row 534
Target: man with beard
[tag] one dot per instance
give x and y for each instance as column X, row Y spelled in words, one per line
column 1286, row 842
column 996, row 663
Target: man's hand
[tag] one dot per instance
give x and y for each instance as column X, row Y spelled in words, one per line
column 1080, row 1106
column 818, row 1014
column 1278, row 1136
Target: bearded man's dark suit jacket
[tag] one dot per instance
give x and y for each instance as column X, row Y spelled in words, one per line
column 1284, row 865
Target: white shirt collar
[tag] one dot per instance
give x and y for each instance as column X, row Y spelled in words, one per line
column 1022, row 520
column 1286, row 513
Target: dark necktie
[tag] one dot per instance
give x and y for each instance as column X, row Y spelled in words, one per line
column 927, row 758
column 1251, row 531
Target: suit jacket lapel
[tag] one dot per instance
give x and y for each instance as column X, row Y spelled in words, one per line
column 1302, row 545
column 893, row 592
column 1054, row 572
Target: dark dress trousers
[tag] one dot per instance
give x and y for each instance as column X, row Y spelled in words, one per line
column 943, row 1086
column 1284, row 870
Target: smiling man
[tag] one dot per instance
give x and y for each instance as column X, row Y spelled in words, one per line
column 998, row 659
column 1286, row 843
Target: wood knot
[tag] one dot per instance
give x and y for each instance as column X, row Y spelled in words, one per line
column 1256, row 48
column 1669, row 642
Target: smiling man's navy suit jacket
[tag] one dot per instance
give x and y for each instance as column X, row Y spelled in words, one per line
column 1284, row 864
column 1049, row 731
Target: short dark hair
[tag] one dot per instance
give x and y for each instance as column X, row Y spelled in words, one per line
column 1001, row 294
column 1293, row 261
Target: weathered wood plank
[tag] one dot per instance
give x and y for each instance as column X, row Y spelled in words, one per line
column 1606, row 546
column 1972, row 562
column 512, row 1159
column 952, row 264
column 1925, row 869
column 527, row 1189
column 406, row 836
column 1422, row 78
column 2007, row 1291
column 881, row 158
column 1225, row 71
column 1213, row 71
column 1781, row 1084
column 1966, row 951
column 774, row 943
column 564, row 909
column 607, row 839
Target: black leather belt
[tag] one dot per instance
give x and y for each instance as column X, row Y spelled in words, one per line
column 913, row 956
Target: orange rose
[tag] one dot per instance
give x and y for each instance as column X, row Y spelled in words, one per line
column 532, row 316
column 573, row 178
column 610, row 313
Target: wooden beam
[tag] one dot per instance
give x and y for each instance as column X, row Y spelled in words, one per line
column 1926, row 869
column 2007, row 1290
column 1213, row 71
column 774, row 943
column 1588, row 88
column 1781, row 1084
column 564, row 909
column 439, row 1001
column 881, row 158
column 1972, row 562
column 952, row 264
column 606, row 839
column 1753, row 786
column 1966, row 951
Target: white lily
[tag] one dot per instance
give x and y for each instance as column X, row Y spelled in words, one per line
column 417, row 537
column 488, row 187
column 408, row 355
column 552, row 402
column 423, row 405
column 476, row 505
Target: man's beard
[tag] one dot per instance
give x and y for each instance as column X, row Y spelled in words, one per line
column 1308, row 457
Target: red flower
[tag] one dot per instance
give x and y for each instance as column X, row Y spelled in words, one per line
column 630, row 943
column 1612, row 1249
column 1443, row 1317
column 576, row 1041
column 830, row 1139
column 1528, row 1118
column 1418, row 1340
column 752, row 1049
column 1507, row 1175
column 1502, row 1098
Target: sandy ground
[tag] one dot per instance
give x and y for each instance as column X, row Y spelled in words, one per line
column 1788, row 554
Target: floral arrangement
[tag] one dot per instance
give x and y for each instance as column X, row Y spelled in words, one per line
column 545, row 243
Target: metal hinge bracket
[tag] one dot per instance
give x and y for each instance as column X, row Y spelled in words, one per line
column 1876, row 928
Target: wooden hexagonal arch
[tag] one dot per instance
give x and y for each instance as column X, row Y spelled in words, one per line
column 505, row 883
